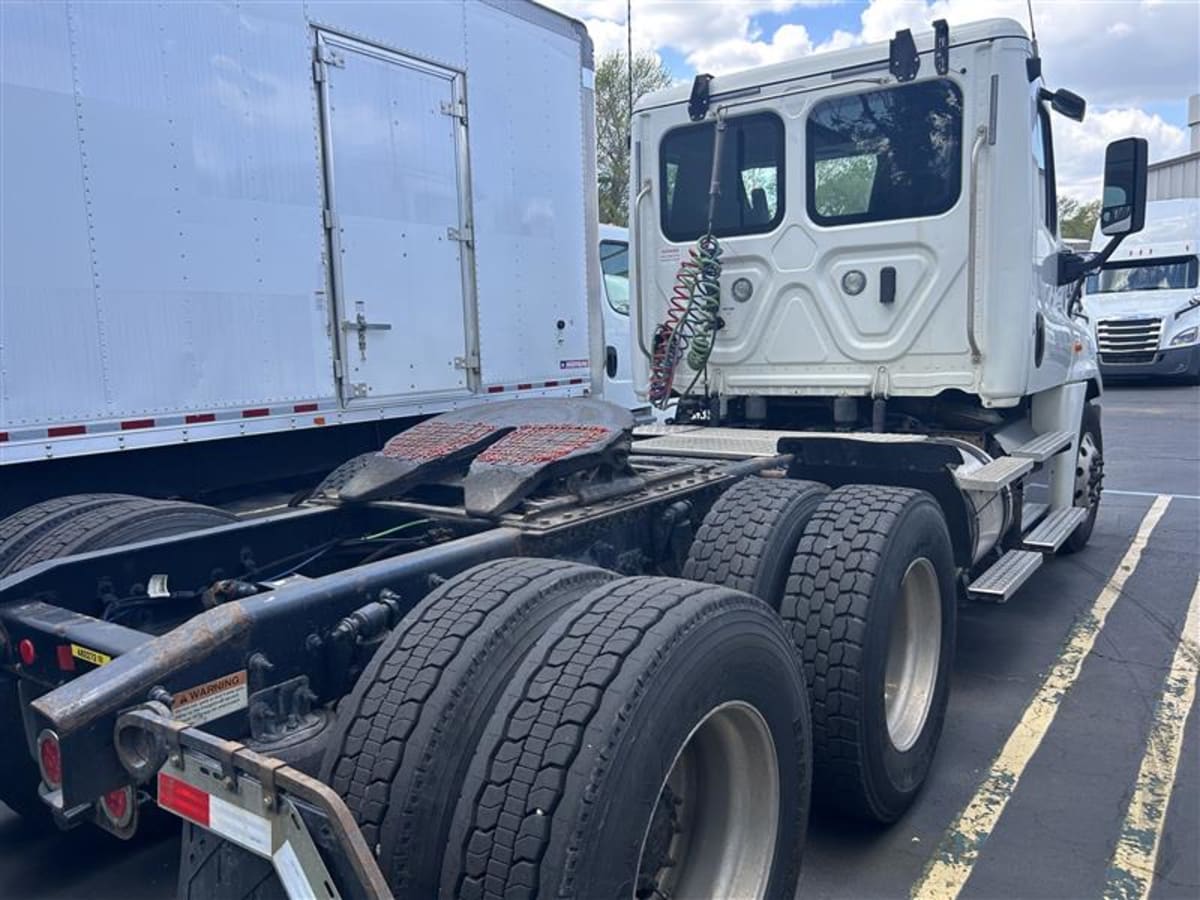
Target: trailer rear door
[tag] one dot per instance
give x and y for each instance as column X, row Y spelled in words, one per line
column 395, row 173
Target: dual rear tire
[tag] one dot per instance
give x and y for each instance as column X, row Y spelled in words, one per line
column 863, row 579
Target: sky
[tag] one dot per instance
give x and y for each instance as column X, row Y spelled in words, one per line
column 1135, row 61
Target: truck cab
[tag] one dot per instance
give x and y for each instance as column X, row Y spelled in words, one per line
column 889, row 235
column 1145, row 302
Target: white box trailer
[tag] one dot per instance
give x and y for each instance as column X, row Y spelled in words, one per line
column 226, row 220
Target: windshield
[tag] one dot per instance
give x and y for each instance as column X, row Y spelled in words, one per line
column 1145, row 275
column 614, row 262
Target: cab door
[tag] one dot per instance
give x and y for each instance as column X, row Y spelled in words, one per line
column 395, row 149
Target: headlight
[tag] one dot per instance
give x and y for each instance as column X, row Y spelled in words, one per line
column 1187, row 336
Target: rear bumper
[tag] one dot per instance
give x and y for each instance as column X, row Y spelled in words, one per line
column 1179, row 362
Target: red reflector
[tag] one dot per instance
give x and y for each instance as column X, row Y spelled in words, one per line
column 255, row 413
column 50, row 758
column 27, row 652
column 182, row 799
column 524, row 387
column 66, row 661
column 304, row 407
column 3, row 436
column 197, row 418
column 575, row 381
column 118, row 806
column 65, row 430
column 551, row 384
column 131, row 424
column 495, row 389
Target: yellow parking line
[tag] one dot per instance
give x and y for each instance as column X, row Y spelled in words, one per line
column 1132, row 869
column 955, row 856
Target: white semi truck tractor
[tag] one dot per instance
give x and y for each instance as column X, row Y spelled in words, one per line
column 529, row 649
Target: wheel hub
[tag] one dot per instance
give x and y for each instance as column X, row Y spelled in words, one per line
column 1089, row 472
column 914, row 651
column 715, row 822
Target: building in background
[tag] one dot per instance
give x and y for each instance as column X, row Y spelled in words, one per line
column 1173, row 179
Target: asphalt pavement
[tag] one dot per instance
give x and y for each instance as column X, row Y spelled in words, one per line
column 1056, row 774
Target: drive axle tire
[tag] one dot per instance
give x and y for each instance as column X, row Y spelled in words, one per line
column 1089, row 478
column 749, row 537
column 654, row 743
column 407, row 731
column 871, row 607
column 25, row 526
column 114, row 524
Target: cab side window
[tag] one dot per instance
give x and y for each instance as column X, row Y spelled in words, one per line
column 1043, row 153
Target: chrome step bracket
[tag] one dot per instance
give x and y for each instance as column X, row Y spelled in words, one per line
column 993, row 476
column 1053, row 530
column 1044, row 446
column 1007, row 574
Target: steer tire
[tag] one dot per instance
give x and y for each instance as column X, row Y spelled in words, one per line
column 1090, row 455
column 114, row 524
column 749, row 537
column 406, row 733
column 567, row 794
column 844, row 595
column 25, row 526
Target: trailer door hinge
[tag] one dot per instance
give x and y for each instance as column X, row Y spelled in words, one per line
column 455, row 108
column 465, row 234
column 329, row 219
column 338, row 372
column 469, row 363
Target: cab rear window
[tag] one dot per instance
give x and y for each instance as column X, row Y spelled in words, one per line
column 751, row 199
column 886, row 154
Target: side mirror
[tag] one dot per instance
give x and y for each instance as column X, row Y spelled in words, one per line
column 1065, row 103
column 1123, row 207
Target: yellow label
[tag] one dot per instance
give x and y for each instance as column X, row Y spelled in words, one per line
column 92, row 656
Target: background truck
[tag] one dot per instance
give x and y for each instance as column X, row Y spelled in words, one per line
column 531, row 649
column 1145, row 302
column 279, row 232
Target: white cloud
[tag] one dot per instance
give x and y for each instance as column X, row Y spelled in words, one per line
column 1079, row 146
column 1121, row 55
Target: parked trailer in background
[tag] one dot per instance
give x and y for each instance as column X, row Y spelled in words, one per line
column 237, row 226
column 530, row 650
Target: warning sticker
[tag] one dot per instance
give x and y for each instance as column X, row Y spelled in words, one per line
column 211, row 700
column 572, row 363
column 95, row 657
column 670, row 254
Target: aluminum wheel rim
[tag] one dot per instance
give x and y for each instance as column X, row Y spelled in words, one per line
column 914, row 651
column 1087, row 467
column 716, row 819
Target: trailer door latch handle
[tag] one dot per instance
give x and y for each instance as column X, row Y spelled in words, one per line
column 360, row 324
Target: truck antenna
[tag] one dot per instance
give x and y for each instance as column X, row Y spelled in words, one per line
column 1032, row 28
column 629, row 51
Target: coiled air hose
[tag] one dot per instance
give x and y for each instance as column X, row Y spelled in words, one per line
column 693, row 309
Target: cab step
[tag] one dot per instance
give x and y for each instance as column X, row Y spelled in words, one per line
column 1053, row 530
column 1007, row 574
column 993, row 476
column 1044, row 446
column 1032, row 513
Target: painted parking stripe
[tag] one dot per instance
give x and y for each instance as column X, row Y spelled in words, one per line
column 1131, row 872
column 1152, row 494
column 959, row 849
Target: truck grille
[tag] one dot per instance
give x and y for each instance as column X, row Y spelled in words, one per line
column 1128, row 341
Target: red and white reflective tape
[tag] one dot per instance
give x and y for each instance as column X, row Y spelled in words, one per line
column 534, row 385
column 219, row 816
column 200, row 418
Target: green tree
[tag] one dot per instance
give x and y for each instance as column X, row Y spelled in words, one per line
column 1077, row 220
column 612, row 125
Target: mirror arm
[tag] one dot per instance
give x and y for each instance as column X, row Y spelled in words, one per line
column 1074, row 267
